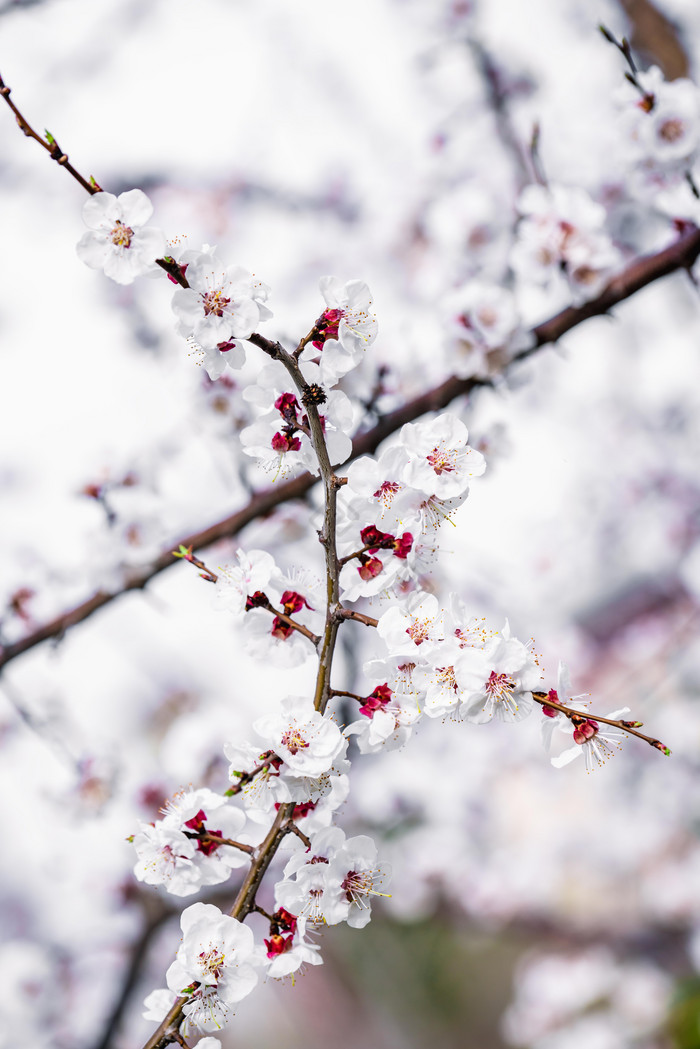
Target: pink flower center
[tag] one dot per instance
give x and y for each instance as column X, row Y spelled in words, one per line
column 327, row 326
column 376, row 700
column 287, row 405
column 585, row 730
column 294, row 741
column 419, row 630
column 121, row 235
column 278, row 944
column 443, row 460
column 293, row 602
column 386, row 492
column 446, row 678
column 357, row 883
column 214, row 302
column 672, row 130
column 285, row 442
column 212, row 962
column 550, row 712
column 499, row 686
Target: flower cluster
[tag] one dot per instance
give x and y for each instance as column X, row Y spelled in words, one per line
column 195, row 844
column 280, row 437
column 562, row 233
column 660, row 123
column 380, row 527
column 484, row 329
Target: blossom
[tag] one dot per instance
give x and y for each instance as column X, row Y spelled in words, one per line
column 440, row 462
column 217, row 953
column 497, row 680
column 484, row 329
column 166, row 857
column 437, row 679
column 222, row 304
column 236, row 583
column 306, row 742
column 261, row 791
column 593, row 739
column 405, row 630
column 387, row 721
column 280, row 437
column 355, row 867
column 379, row 558
column 562, row 231
column 181, row 851
column 308, row 887
column 118, row 240
column 661, row 122
column 287, row 954
column 345, row 328
column 376, row 482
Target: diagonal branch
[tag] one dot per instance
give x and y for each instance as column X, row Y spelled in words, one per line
column 640, row 273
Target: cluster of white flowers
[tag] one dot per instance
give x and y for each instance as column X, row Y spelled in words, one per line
column 586, row 997
column 433, row 662
column 484, row 329
column 439, row 663
column 660, row 124
column 562, row 234
column 279, row 438
column 188, row 847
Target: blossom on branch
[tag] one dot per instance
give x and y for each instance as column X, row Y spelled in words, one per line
column 497, row 680
column 214, row 966
column 118, row 240
column 345, row 328
column 222, row 304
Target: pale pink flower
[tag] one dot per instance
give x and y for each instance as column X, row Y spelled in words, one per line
column 118, row 240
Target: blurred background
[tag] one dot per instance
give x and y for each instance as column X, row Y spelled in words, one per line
column 386, row 140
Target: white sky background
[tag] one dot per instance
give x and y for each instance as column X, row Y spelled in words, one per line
column 296, row 137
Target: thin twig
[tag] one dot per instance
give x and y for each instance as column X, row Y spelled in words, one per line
column 292, row 828
column 350, row 613
column 574, row 715
column 205, row 837
column 350, row 695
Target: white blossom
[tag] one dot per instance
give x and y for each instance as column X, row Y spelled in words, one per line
column 217, row 953
column 118, row 240
column 222, row 303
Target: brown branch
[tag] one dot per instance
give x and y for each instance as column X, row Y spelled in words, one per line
column 168, row 1030
column 259, row 506
column 656, row 37
column 349, row 695
column 350, row 613
column 303, row 630
column 244, row 778
column 578, row 716
column 292, row 828
column 49, row 144
column 304, row 342
column 205, row 837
